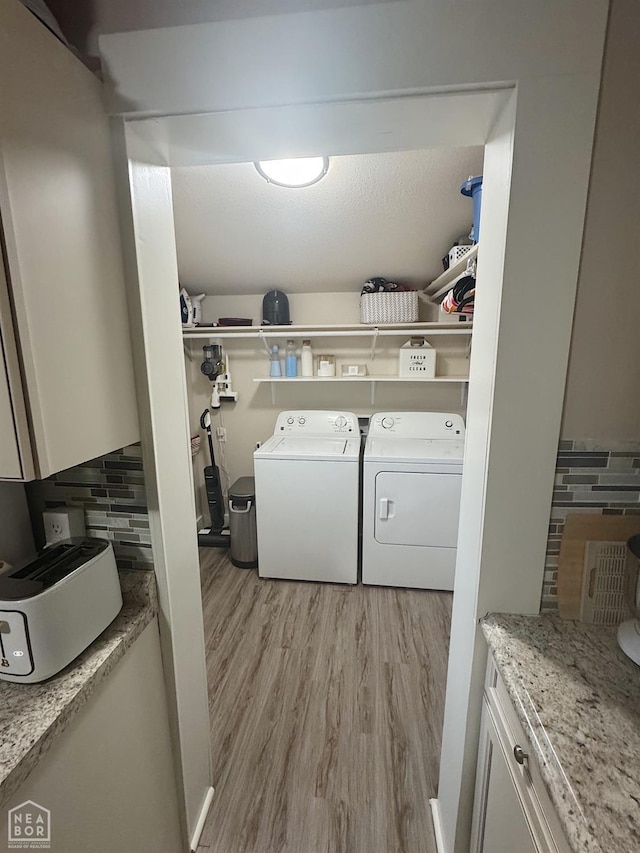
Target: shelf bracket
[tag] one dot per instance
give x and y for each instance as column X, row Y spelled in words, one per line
column 373, row 392
column 264, row 341
column 464, row 388
column 375, row 332
column 273, row 393
column 187, row 352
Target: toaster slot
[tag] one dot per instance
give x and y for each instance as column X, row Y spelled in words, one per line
column 58, row 562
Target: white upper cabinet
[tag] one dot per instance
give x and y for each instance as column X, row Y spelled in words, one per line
column 66, row 384
column 10, row 463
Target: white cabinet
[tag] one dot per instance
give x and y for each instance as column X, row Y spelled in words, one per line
column 504, row 827
column 66, row 378
column 512, row 810
column 9, row 453
column 108, row 778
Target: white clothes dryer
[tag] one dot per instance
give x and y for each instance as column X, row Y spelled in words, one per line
column 307, row 486
column 412, row 477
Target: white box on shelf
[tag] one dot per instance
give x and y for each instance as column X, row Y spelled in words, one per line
column 354, row 370
column 417, row 359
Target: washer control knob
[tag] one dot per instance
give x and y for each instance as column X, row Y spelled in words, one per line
column 448, row 424
column 289, row 420
column 341, row 421
column 387, row 423
column 302, row 421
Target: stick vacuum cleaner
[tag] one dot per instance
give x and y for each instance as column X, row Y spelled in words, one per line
column 217, row 536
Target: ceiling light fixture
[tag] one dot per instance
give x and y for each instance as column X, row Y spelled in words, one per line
column 294, row 173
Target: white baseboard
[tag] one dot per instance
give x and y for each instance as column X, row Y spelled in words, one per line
column 437, row 825
column 204, row 811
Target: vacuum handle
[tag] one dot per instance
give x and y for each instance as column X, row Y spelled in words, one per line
column 205, row 423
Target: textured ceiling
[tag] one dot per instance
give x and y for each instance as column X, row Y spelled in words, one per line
column 393, row 215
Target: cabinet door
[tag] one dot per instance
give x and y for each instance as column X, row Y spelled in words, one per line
column 500, row 824
column 62, row 243
column 10, row 467
column 16, row 462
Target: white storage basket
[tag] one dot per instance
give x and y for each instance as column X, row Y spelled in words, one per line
column 389, row 307
column 458, row 252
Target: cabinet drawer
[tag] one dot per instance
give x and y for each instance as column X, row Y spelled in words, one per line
column 526, row 775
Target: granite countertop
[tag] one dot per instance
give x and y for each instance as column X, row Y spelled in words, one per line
column 578, row 698
column 33, row 715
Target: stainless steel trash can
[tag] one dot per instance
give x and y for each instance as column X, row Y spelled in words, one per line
column 242, row 523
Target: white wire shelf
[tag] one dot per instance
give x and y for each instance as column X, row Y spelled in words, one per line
column 372, row 378
column 439, row 286
column 373, row 381
column 326, row 331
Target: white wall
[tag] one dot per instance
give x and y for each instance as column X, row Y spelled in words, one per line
column 310, row 58
column 16, row 538
column 602, row 399
column 85, row 22
column 393, row 214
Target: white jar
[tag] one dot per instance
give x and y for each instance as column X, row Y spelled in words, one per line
column 306, row 359
column 326, row 365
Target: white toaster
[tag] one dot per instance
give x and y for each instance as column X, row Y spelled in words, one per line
column 54, row 607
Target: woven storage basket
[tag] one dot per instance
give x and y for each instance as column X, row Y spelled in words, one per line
column 389, row 307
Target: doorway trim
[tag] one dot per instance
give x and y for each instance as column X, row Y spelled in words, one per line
column 503, row 526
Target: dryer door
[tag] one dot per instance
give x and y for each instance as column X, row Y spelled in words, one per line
column 417, row 509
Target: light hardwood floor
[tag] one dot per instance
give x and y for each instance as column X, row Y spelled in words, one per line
column 326, row 713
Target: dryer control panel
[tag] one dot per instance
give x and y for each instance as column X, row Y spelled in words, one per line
column 432, row 425
column 302, row 422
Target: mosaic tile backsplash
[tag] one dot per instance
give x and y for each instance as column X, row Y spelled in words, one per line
column 112, row 493
column 589, row 479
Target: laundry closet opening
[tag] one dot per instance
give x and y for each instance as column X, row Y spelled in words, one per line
column 294, row 639
column 326, row 664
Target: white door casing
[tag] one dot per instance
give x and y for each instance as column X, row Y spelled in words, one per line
column 536, row 174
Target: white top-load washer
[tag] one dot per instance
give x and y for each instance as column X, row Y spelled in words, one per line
column 412, row 475
column 307, row 484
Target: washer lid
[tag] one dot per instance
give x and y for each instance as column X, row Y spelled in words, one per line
column 423, row 450
column 309, row 448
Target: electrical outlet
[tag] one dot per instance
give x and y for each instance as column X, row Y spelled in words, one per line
column 221, row 433
column 63, row 523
